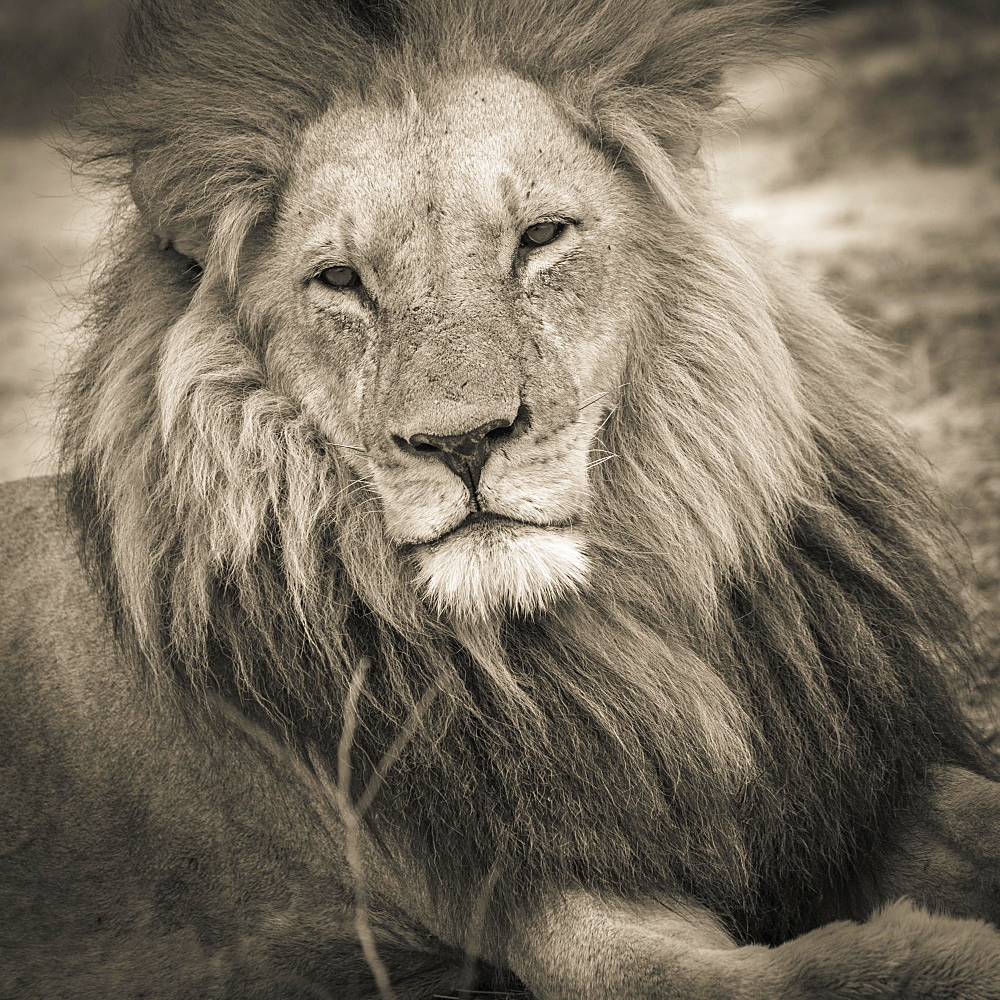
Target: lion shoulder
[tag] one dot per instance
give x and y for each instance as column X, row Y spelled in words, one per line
column 30, row 521
column 45, row 597
column 53, row 636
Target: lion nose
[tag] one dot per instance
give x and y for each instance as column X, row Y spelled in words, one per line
column 466, row 454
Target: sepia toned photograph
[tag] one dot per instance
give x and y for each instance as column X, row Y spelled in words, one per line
column 500, row 499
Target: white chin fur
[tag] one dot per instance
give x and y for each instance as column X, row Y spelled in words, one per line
column 492, row 567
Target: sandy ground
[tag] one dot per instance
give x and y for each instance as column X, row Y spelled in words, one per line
column 47, row 227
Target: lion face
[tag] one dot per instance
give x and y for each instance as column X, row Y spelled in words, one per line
column 445, row 290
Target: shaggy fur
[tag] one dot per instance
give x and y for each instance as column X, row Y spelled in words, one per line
column 755, row 676
column 532, row 564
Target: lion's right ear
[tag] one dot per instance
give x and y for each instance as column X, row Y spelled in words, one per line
column 171, row 223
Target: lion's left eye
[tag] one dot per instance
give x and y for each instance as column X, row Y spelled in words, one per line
column 542, row 233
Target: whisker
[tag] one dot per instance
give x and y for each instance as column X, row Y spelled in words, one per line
column 600, row 395
column 593, row 399
column 607, row 417
column 355, row 486
column 601, row 461
column 349, row 447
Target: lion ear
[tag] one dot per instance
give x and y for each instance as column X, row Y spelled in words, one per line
column 167, row 220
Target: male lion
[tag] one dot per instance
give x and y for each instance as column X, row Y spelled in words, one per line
column 477, row 550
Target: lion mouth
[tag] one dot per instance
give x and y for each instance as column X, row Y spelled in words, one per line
column 485, row 520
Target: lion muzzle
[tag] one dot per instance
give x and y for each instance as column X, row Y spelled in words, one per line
column 466, row 453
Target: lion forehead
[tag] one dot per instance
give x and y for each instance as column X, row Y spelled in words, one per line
column 480, row 150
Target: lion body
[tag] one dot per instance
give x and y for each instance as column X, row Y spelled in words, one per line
column 415, row 589
column 152, row 846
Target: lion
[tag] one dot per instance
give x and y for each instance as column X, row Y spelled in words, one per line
column 474, row 562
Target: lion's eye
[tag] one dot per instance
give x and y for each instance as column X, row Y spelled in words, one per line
column 542, row 233
column 339, row 277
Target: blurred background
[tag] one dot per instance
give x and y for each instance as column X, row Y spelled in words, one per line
column 871, row 158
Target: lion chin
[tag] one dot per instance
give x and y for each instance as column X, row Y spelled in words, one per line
column 501, row 566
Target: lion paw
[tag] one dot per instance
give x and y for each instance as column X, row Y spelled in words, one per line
column 903, row 952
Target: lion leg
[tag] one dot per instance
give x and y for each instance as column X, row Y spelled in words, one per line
column 589, row 949
column 948, row 856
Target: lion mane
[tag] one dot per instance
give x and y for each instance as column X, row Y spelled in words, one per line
column 756, row 673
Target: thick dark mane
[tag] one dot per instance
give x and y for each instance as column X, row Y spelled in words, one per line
column 758, row 673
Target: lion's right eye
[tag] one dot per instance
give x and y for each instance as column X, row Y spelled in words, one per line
column 339, row 277
column 542, row 233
